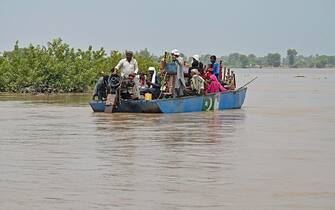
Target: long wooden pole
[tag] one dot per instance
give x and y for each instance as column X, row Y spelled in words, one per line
column 234, row 80
column 224, row 74
column 247, row 83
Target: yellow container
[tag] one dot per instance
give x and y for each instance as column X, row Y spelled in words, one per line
column 148, row 96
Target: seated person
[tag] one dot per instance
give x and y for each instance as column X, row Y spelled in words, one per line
column 100, row 89
column 208, row 72
column 214, row 85
column 153, row 83
column 128, row 87
column 197, row 83
column 142, row 81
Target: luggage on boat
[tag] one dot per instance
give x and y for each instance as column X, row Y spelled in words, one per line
column 148, row 96
column 171, row 68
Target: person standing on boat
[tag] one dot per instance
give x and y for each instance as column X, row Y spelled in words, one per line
column 128, row 67
column 196, row 64
column 215, row 67
column 179, row 84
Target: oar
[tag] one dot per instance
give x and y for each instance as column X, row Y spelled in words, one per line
column 247, row 83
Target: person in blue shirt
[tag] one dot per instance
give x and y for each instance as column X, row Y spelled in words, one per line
column 215, row 67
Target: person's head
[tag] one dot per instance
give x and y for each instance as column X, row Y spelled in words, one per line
column 142, row 76
column 213, row 59
column 131, row 76
column 194, row 72
column 196, row 59
column 129, row 55
column 151, row 70
column 104, row 75
column 175, row 54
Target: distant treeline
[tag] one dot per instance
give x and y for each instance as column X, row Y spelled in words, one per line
column 292, row 60
column 58, row 67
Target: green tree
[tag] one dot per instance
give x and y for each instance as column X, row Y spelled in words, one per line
column 145, row 59
column 321, row 61
column 252, row 59
column 234, row 60
column 244, row 61
column 291, row 55
column 274, row 59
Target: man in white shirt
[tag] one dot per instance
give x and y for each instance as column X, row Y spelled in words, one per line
column 127, row 65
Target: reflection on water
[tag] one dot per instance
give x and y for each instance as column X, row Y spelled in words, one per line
column 169, row 157
column 275, row 153
column 186, row 127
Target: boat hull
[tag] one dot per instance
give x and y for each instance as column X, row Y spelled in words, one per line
column 217, row 101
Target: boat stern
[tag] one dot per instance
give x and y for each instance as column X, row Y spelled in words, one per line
column 97, row 106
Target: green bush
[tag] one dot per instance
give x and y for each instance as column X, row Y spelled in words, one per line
column 59, row 68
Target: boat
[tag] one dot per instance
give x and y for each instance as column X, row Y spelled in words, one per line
column 217, row 101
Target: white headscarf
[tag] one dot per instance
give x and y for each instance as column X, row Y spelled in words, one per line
column 153, row 79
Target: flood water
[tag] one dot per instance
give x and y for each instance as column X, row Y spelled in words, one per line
column 277, row 152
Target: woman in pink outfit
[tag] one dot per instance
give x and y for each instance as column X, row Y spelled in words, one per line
column 215, row 85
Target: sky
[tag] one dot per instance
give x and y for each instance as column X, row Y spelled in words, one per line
column 194, row 27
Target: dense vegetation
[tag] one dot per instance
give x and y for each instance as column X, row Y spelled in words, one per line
column 59, row 68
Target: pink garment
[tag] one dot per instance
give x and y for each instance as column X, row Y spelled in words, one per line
column 215, row 85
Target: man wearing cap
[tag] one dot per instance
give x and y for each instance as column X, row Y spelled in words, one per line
column 196, row 64
column 179, row 83
column 127, row 65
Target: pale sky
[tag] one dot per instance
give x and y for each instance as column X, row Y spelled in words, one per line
column 194, row 27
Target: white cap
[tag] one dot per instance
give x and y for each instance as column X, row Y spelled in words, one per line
column 196, row 57
column 175, row 52
column 151, row 68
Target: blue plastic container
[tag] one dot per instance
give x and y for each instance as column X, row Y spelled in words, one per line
column 171, row 68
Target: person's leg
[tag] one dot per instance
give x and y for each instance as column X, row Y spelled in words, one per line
column 173, row 85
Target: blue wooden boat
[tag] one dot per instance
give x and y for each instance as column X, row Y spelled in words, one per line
column 218, row 101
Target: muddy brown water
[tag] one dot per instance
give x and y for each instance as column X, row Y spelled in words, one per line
column 277, row 152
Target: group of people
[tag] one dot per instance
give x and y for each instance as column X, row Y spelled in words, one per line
column 196, row 79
